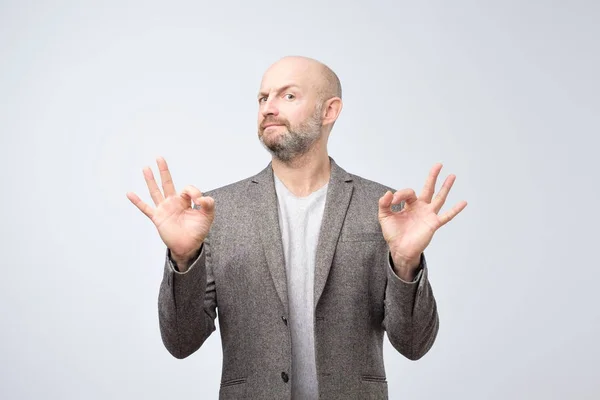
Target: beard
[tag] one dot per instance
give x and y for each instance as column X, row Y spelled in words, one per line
column 296, row 140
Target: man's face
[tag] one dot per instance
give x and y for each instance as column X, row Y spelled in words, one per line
column 289, row 114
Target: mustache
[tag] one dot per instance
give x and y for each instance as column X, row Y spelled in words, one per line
column 272, row 121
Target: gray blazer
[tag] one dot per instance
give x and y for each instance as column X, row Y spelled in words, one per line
column 240, row 271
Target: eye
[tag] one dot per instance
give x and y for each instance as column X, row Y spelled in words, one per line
column 290, row 96
column 261, row 99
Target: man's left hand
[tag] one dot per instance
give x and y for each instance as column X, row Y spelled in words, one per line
column 409, row 231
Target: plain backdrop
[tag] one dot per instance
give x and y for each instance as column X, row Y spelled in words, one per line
column 503, row 93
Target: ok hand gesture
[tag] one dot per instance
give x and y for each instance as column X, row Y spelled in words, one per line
column 181, row 227
column 410, row 230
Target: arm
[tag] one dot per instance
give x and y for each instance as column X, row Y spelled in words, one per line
column 411, row 319
column 187, row 295
column 186, row 317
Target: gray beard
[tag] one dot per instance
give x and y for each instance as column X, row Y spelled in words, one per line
column 296, row 142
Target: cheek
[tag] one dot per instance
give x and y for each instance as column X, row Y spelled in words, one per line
column 295, row 116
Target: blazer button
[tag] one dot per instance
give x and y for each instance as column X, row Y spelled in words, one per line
column 284, row 319
column 285, row 377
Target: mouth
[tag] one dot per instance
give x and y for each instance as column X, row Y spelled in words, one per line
column 271, row 125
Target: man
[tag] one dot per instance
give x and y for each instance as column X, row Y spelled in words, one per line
column 307, row 264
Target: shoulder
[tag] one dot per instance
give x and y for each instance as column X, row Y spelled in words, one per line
column 368, row 192
column 368, row 187
column 231, row 189
column 229, row 199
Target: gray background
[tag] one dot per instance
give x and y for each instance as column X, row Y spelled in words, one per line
column 504, row 93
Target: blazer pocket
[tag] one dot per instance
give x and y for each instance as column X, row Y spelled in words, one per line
column 361, row 236
column 232, row 382
column 374, row 378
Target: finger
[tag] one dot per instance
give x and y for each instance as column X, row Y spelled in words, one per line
column 406, row 195
column 191, row 193
column 440, row 199
column 207, row 204
column 385, row 204
column 155, row 192
column 453, row 212
column 429, row 187
column 143, row 207
column 165, row 177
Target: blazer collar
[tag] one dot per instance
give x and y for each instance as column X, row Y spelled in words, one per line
column 337, row 174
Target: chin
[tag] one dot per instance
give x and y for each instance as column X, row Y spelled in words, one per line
column 272, row 143
column 271, row 139
column 274, row 133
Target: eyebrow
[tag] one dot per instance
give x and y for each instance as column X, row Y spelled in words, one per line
column 286, row 87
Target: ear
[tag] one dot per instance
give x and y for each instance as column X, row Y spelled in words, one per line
column 331, row 110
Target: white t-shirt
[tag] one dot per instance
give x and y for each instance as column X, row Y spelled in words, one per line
column 300, row 222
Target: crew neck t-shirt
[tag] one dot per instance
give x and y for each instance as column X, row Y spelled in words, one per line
column 300, row 223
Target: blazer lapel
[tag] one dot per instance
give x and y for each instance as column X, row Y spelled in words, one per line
column 263, row 197
column 339, row 194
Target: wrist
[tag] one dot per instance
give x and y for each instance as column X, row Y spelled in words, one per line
column 406, row 269
column 407, row 275
column 405, row 264
column 183, row 261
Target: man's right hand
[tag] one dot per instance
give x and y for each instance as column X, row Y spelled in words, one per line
column 181, row 227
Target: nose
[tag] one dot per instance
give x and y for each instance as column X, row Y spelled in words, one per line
column 269, row 108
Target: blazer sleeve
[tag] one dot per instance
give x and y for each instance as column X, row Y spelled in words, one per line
column 187, row 305
column 410, row 317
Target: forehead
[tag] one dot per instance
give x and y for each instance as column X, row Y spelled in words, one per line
column 288, row 73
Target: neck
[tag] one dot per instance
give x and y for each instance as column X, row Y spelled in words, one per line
column 306, row 173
